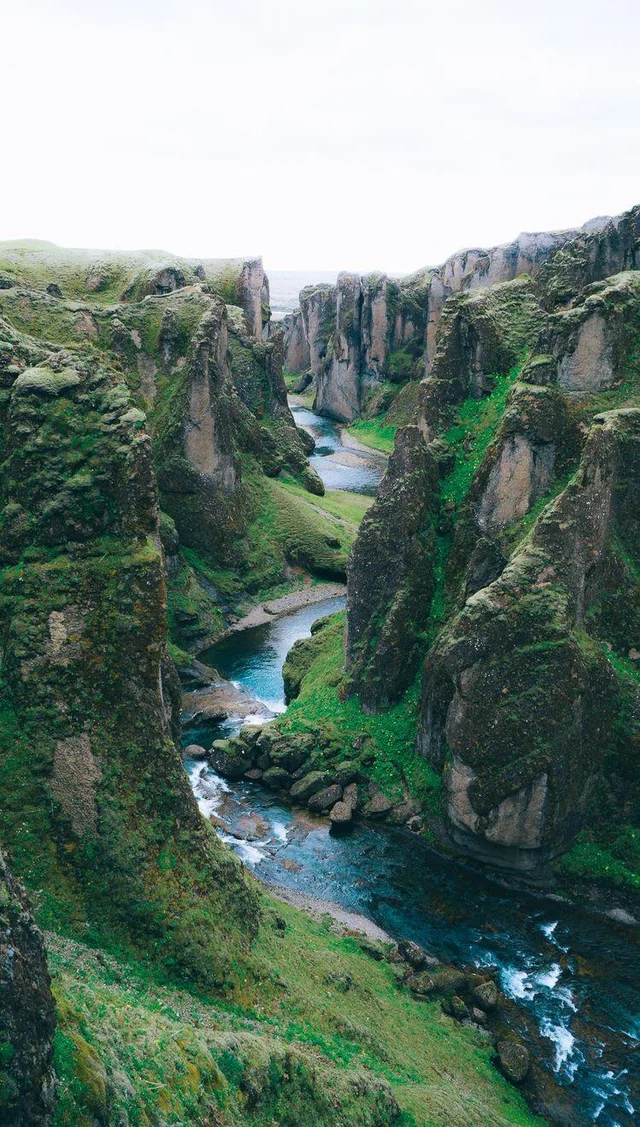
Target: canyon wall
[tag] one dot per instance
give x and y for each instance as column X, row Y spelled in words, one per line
column 393, row 323
column 500, row 553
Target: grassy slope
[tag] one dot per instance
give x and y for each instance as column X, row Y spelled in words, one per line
column 393, row 407
column 166, row 1056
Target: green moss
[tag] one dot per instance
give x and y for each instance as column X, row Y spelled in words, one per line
column 616, row 864
column 374, row 433
column 389, row 737
column 470, row 435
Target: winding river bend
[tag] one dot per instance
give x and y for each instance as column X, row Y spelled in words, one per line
column 575, row 972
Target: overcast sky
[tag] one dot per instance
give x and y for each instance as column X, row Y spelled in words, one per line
column 355, row 134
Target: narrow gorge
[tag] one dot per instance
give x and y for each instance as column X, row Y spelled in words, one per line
column 319, row 689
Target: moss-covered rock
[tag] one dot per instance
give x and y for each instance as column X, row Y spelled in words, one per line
column 27, row 1085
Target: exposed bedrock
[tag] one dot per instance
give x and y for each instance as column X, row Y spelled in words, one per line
column 391, row 575
column 338, row 384
column 396, row 334
column 518, row 700
column 27, row 1084
column 297, row 357
column 88, row 694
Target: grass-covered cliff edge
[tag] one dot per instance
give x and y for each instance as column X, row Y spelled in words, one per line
column 152, row 483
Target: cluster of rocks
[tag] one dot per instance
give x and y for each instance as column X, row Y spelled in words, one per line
column 293, row 765
column 468, row 996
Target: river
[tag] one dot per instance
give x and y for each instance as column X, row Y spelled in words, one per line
column 574, row 971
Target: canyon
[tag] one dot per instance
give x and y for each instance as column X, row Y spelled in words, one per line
column 175, row 463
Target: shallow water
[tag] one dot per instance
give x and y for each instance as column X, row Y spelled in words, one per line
column 339, row 466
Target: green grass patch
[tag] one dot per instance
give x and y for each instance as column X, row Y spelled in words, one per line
column 316, row 1023
column 374, row 433
column 339, row 503
column 616, row 863
column 471, row 434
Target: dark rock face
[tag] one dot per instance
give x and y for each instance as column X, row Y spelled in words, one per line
column 85, row 675
column 527, row 703
column 27, row 1084
column 338, row 389
column 390, row 574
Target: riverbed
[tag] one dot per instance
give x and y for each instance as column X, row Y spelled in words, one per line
column 575, row 972
column 341, row 465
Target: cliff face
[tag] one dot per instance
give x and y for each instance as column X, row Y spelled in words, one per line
column 393, row 324
column 28, row 1018
column 529, row 423
column 94, row 788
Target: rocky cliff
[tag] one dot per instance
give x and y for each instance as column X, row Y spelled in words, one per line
column 106, row 277
column 350, row 337
column 506, row 521
column 93, row 784
column 27, row 1084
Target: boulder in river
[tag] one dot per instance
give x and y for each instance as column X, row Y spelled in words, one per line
column 341, row 815
column 326, row 798
column 277, row 778
column 230, row 758
column 486, row 995
column 194, row 751
column 514, row 1060
column 309, row 784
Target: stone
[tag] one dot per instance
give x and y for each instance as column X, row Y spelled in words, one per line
column 277, row 778
column 341, row 814
column 325, row 799
column 230, row 758
column 412, row 953
column 309, row 784
column 486, row 995
column 514, row 1060
column 254, row 775
column 458, row 1008
column 445, row 980
column 351, row 796
column 194, row 751
column 377, row 806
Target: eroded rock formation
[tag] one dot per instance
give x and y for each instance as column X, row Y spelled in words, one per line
column 27, row 1016
column 513, row 600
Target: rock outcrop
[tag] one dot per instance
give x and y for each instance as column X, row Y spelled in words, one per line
column 514, row 692
column 363, row 330
column 110, row 276
column 516, row 603
column 87, row 691
column 27, row 1025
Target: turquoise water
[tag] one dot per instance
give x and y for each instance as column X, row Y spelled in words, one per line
column 340, row 466
column 254, row 658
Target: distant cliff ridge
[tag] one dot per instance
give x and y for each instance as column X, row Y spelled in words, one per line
column 350, row 336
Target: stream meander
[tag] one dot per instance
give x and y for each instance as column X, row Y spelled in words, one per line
column 575, row 972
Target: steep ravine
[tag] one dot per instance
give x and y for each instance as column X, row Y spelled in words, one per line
column 548, row 954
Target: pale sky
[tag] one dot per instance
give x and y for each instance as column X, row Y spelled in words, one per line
column 351, row 134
